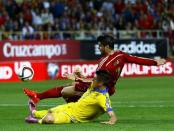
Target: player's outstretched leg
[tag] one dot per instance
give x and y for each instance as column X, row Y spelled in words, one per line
column 36, row 97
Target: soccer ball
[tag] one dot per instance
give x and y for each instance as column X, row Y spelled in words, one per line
column 25, row 73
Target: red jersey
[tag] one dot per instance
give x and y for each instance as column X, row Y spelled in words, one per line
column 114, row 63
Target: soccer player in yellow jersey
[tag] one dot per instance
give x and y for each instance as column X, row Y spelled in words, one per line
column 93, row 103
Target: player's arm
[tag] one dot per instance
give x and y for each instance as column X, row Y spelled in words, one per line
column 105, row 103
column 77, row 76
column 73, row 76
column 112, row 119
column 69, row 76
column 143, row 61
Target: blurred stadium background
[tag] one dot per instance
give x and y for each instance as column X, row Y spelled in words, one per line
column 57, row 36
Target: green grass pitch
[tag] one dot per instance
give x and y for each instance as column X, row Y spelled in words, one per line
column 141, row 104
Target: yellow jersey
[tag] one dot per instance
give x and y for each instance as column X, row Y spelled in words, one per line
column 93, row 103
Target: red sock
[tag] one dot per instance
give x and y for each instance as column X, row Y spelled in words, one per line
column 51, row 93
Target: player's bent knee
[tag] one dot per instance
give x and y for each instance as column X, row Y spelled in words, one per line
column 68, row 91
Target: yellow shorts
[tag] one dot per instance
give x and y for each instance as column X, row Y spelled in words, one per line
column 62, row 114
column 61, row 118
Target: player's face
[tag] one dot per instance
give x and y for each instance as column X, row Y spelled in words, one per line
column 102, row 49
column 97, row 83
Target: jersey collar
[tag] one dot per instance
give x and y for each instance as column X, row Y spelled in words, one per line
column 100, row 90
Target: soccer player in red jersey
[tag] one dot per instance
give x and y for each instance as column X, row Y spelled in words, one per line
column 112, row 61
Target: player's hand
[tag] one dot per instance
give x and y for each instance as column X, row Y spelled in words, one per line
column 69, row 76
column 108, row 122
column 161, row 62
column 77, row 72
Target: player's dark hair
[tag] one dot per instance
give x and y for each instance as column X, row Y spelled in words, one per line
column 106, row 40
column 103, row 76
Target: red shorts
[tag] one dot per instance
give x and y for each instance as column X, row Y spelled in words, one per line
column 83, row 86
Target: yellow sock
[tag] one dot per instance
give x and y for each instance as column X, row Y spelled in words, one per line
column 40, row 121
column 40, row 114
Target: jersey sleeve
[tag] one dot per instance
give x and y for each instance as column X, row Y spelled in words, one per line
column 139, row 60
column 105, row 103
